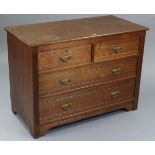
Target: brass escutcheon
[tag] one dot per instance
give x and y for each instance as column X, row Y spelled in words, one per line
column 65, row 58
column 66, row 106
column 116, row 71
column 117, row 49
column 65, row 81
column 115, row 93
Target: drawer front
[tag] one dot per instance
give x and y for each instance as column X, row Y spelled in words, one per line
column 61, row 58
column 56, row 81
column 115, row 49
column 58, row 106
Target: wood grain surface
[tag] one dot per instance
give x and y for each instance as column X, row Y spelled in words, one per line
column 62, row 72
column 53, row 32
column 81, row 100
column 65, row 57
column 50, row 81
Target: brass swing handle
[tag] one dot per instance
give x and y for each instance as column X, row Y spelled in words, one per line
column 65, row 58
column 115, row 93
column 116, row 71
column 117, row 49
column 65, row 81
column 66, row 106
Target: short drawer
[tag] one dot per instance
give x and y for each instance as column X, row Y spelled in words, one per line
column 62, row 58
column 51, row 108
column 57, row 81
column 116, row 49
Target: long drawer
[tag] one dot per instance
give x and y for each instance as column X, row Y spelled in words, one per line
column 58, row 81
column 58, row 106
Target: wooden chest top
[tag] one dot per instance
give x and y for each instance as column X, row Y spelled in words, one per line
column 54, row 32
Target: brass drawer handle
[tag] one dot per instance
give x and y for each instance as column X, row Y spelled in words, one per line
column 65, row 58
column 116, row 71
column 66, row 106
column 117, row 49
column 115, row 93
column 65, row 81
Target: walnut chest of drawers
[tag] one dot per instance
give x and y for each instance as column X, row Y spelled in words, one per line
column 61, row 72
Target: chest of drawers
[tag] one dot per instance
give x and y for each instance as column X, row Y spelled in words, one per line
column 62, row 72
